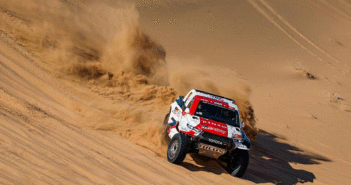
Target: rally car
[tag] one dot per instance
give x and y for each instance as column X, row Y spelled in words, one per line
column 207, row 124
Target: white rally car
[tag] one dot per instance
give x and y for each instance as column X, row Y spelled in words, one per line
column 209, row 125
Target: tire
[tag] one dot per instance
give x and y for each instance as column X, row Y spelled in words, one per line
column 165, row 122
column 167, row 126
column 238, row 163
column 177, row 148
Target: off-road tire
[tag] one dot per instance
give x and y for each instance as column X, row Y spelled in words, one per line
column 167, row 127
column 177, row 148
column 165, row 122
column 238, row 163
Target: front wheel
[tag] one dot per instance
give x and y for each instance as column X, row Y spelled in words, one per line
column 177, row 148
column 238, row 163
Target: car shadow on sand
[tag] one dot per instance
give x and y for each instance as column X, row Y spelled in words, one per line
column 270, row 160
column 202, row 163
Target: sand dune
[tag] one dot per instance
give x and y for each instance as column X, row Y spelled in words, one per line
column 85, row 85
column 44, row 139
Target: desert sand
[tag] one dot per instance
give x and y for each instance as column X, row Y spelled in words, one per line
column 85, row 86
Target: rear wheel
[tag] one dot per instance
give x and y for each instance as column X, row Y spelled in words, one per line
column 238, row 163
column 165, row 122
column 177, row 148
column 167, row 126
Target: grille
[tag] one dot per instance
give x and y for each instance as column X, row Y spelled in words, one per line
column 214, row 140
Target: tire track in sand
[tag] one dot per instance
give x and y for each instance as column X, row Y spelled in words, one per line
column 337, row 6
column 283, row 25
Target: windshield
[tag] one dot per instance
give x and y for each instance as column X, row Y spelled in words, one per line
column 217, row 113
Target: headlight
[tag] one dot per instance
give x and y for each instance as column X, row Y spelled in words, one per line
column 192, row 128
column 237, row 136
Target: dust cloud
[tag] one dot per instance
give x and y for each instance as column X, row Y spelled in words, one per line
column 101, row 44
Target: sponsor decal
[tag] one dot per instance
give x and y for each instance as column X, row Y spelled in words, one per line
column 219, row 130
column 214, row 129
column 217, row 125
column 216, row 98
column 215, row 141
column 220, row 104
column 175, row 111
column 209, row 125
column 237, row 136
column 212, row 148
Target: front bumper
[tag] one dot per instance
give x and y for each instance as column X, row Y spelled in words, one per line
column 215, row 146
column 210, row 151
column 212, row 145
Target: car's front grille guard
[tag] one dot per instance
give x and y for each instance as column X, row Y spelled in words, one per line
column 206, row 136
